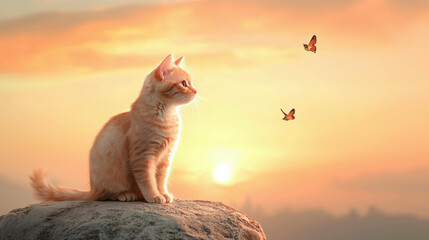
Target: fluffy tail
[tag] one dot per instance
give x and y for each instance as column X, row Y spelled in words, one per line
column 47, row 192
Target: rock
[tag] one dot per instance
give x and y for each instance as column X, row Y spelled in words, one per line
column 182, row 219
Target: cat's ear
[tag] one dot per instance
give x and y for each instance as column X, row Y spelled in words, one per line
column 166, row 64
column 179, row 61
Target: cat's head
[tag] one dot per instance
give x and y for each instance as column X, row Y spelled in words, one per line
column 170, row 83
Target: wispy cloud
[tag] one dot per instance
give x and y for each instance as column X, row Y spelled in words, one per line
column 229, row 31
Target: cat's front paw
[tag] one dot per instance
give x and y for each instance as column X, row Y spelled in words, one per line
column 157, row 199
column 168, row 197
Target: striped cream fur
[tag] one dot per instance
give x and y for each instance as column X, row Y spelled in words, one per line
column 132, row 155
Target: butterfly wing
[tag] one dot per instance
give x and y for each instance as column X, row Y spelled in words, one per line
column 290, row 115
column 312, row 41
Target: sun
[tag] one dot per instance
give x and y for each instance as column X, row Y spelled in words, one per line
column 222, row 173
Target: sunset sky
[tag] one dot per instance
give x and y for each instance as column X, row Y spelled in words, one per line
column 360, row 137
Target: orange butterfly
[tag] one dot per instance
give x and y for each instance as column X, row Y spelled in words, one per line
column 310, row 46
column 289, row 116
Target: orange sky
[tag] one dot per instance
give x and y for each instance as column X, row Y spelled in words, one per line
column 362, row 104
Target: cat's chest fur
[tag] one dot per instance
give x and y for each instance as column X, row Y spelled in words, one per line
column 155, row 134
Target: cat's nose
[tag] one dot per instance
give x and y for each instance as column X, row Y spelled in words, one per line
column 193, row 89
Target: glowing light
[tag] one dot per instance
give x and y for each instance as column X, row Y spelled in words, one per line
column 222, row 173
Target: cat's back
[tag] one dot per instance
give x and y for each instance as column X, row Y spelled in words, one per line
column 120, row 122
column 114, row 131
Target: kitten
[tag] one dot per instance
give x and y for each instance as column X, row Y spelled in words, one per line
column 132, row 155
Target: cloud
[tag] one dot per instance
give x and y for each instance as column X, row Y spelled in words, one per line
column 10, row 9
column 137, row 36
column 415, row 4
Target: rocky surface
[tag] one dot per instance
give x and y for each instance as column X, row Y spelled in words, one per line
column 181, row 219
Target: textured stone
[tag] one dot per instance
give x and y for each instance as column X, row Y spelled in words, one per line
column 181, row 219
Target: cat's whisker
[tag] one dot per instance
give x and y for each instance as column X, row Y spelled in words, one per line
column 198, row 109
column 201, row 98
column 195, row 106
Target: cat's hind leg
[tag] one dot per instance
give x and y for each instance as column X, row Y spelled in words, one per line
column 125, row 197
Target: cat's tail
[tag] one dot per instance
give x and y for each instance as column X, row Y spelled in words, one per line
column 48, row 192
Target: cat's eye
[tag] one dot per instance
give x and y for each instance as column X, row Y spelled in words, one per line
column 184, row 83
